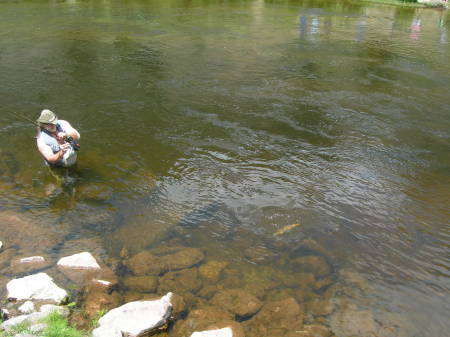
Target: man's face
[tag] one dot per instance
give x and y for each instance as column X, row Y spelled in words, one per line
column 50, row 127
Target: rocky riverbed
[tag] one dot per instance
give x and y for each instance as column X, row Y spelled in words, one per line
column 178, row 290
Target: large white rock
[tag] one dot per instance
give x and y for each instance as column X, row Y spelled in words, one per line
column 225, row 332
column 27, row 307
column 35, row 287
column 79, row 261
column 135, row 318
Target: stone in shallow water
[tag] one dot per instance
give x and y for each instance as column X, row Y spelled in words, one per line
column 145, row 284
column 238, row 302
column 353, row 322
column 145, row 263
column 225, row 332
column 313, row 263
column 135, row 318
column 28, row 264
column 38, row 287
column 182, row 281
column 276, row 318
column 21, row 232
column 83, row 260
column 205, row 319
column 212, row 269
column 185, row 258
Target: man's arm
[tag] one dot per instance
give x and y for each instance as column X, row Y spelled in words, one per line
column 69, row 130
column 48, row 154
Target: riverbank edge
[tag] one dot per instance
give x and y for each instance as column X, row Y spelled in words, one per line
column 405, row 4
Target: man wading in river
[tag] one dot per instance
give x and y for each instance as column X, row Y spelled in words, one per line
column 57, row 140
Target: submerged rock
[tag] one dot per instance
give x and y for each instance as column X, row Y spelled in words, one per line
column 276, row 319
column 206, row 319
column 238, row 302
column 182, row 281
column 135, row 318
column 314, row 330
column 97, row 298
column 145, row 263
column 38, row 287
column 28, row 264
column 6, row 256
column 141, row 283
column 22, row 233
column 313, row 263
column 224, row 332
column 185, row 258
column 212, row 270
column 353, row 322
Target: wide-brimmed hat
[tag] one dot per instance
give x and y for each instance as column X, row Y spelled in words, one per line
column 47, row 117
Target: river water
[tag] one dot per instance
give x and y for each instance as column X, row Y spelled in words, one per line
column 215, row 124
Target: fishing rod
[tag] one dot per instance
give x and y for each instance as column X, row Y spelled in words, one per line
column 15, row 114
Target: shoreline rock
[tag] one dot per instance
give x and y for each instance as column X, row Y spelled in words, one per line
column 135, row 318
column 38, row 287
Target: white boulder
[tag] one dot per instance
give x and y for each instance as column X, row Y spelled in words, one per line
column 27, row 307
column 79, row 261
column 35, row 287
column 225, row 332
column 135, row 318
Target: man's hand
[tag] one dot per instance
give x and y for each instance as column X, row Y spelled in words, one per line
column 61, row 136
column 64, row 147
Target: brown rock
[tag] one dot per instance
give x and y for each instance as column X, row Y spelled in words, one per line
column 276, row 319
column 311, row 331
column 178, row 306
column 209, row 291
column 186, row 280
column 238, row 302
column 28, row 264
column 96, row 300
column 145, row 263
column 323, row 283
column 259, row 254
column 353, row 322
column 203, row 319
column 183, row 259
column 294, row 280
column 313, row 263
column 321, row 307
column 6, row 256
column 19, row 231
column 145, row 284
column 212, row 270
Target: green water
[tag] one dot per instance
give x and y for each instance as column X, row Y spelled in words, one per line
column 214, row 124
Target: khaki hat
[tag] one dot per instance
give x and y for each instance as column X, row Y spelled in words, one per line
column 47, row 117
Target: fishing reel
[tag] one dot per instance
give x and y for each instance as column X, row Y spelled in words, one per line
column 75, row 145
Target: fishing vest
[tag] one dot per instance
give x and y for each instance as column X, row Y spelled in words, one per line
column 69, row 157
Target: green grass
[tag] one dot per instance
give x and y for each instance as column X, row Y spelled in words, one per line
column 57, row 326
column 397, row 3
column 19, row 328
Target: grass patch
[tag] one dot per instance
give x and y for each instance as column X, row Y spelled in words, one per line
column 19, row 328
column 401, row 3
column 57, row 326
